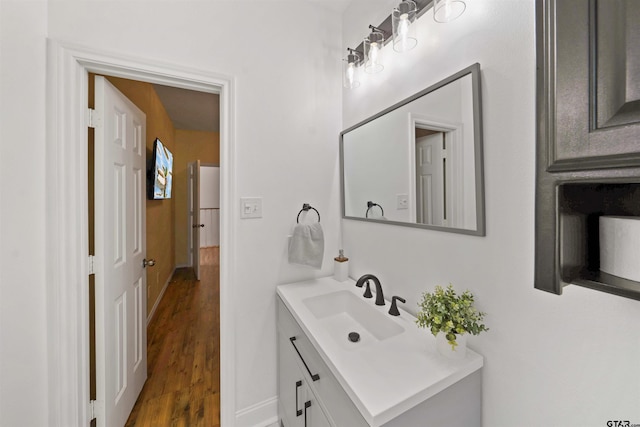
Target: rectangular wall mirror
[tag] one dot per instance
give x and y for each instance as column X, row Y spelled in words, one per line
column 419, row 162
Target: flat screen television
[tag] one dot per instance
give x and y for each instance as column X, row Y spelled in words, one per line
column 160, row 174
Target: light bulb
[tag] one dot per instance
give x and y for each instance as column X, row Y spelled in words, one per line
column 403, row 31
column 351, row 72
column 402, row 17
column 403, row 26
column 372, row 47
column 448, row 10
column 373, row 53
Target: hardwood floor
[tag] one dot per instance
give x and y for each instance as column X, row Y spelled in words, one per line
column 183, row 352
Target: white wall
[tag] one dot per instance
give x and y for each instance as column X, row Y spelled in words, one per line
column 569, row 360
column 23, row 340
column 376, row 159
column 285, row 59
column 209, row 187
column 209, row 206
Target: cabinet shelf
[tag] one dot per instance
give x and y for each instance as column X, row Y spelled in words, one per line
column 609, row 283
column 579, row 208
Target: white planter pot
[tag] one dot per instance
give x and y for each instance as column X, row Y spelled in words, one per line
column 444, row 348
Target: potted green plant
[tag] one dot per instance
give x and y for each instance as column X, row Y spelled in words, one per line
column 450, row 317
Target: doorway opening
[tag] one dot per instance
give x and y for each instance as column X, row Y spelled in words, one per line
column 437, row 166
column 204, row 210
column 68, row 224
column 172, row 263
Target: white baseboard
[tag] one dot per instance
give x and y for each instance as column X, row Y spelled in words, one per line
column 183, row 266
column 262, row 414
column 164, row 288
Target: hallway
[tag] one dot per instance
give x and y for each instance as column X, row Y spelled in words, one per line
column 183, row 385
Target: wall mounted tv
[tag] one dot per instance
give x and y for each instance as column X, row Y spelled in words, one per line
column 160, row 174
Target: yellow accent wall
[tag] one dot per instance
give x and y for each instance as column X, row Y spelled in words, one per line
column 191, row 145
column 161, row 232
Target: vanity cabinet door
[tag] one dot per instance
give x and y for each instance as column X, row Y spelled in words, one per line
column 591, row 86
column 332, row 398
column 298, row 405
column 292, row 389
column 314, row 415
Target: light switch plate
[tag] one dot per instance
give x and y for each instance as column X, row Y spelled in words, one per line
column 403, row 201
column 251, row 207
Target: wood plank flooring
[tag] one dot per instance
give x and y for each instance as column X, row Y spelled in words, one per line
column 183, row 352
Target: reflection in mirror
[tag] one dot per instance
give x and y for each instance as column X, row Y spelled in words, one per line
column 419, row 162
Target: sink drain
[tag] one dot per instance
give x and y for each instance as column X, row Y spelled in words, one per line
column 354, row 336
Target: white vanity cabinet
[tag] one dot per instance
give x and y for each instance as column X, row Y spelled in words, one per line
column 305, row 380
column 393, row 379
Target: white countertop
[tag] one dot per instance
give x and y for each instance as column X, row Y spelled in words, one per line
column 384, row 378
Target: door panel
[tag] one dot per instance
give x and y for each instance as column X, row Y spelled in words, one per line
column 121, row 366
column 291, row 385
column 430, row 180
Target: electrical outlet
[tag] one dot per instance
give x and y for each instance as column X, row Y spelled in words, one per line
column 251, row 207
column 403, row 201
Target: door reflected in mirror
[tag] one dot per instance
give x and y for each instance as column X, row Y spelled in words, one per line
column 419, row 162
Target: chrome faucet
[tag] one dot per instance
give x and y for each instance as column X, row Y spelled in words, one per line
column 379, row 296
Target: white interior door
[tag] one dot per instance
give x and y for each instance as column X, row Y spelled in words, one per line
column 121, row 297
column 194, row 215
column 430, row 179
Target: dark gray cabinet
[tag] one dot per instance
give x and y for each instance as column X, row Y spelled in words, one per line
column 588, row 136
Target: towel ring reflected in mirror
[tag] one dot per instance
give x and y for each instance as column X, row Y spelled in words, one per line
column 371, row 205
column 305, row 208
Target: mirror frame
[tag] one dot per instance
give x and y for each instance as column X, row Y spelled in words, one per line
column 474, row 71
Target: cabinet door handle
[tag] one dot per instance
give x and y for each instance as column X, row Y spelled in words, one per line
column 298, row 411
column 314, row 377
column 306, row 405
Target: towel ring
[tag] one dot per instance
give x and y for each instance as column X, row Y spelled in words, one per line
column 370, row 205
column 306, row 207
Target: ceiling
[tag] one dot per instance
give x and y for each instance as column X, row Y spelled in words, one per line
column 189, row 109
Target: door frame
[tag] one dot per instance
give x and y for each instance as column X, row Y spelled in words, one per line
column 67, row 268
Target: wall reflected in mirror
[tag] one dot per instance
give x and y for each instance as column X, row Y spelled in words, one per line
column 419, row 162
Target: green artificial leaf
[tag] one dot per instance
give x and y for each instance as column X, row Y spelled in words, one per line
column 444, row 311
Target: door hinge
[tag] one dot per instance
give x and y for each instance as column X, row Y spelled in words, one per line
column 91, row 264
column 91, row 118
column 92, row 410
column 96, row 409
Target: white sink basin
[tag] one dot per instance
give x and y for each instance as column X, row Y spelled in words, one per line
column 393, row 367
column 342, row 312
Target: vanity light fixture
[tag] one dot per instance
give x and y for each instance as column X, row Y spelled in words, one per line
column 399, row 26
column 372, row 50
column 350, row 69
column 402, row 17
column 448, row 10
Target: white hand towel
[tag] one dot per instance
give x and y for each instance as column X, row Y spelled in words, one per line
column 382, row 217
column 306, row 246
